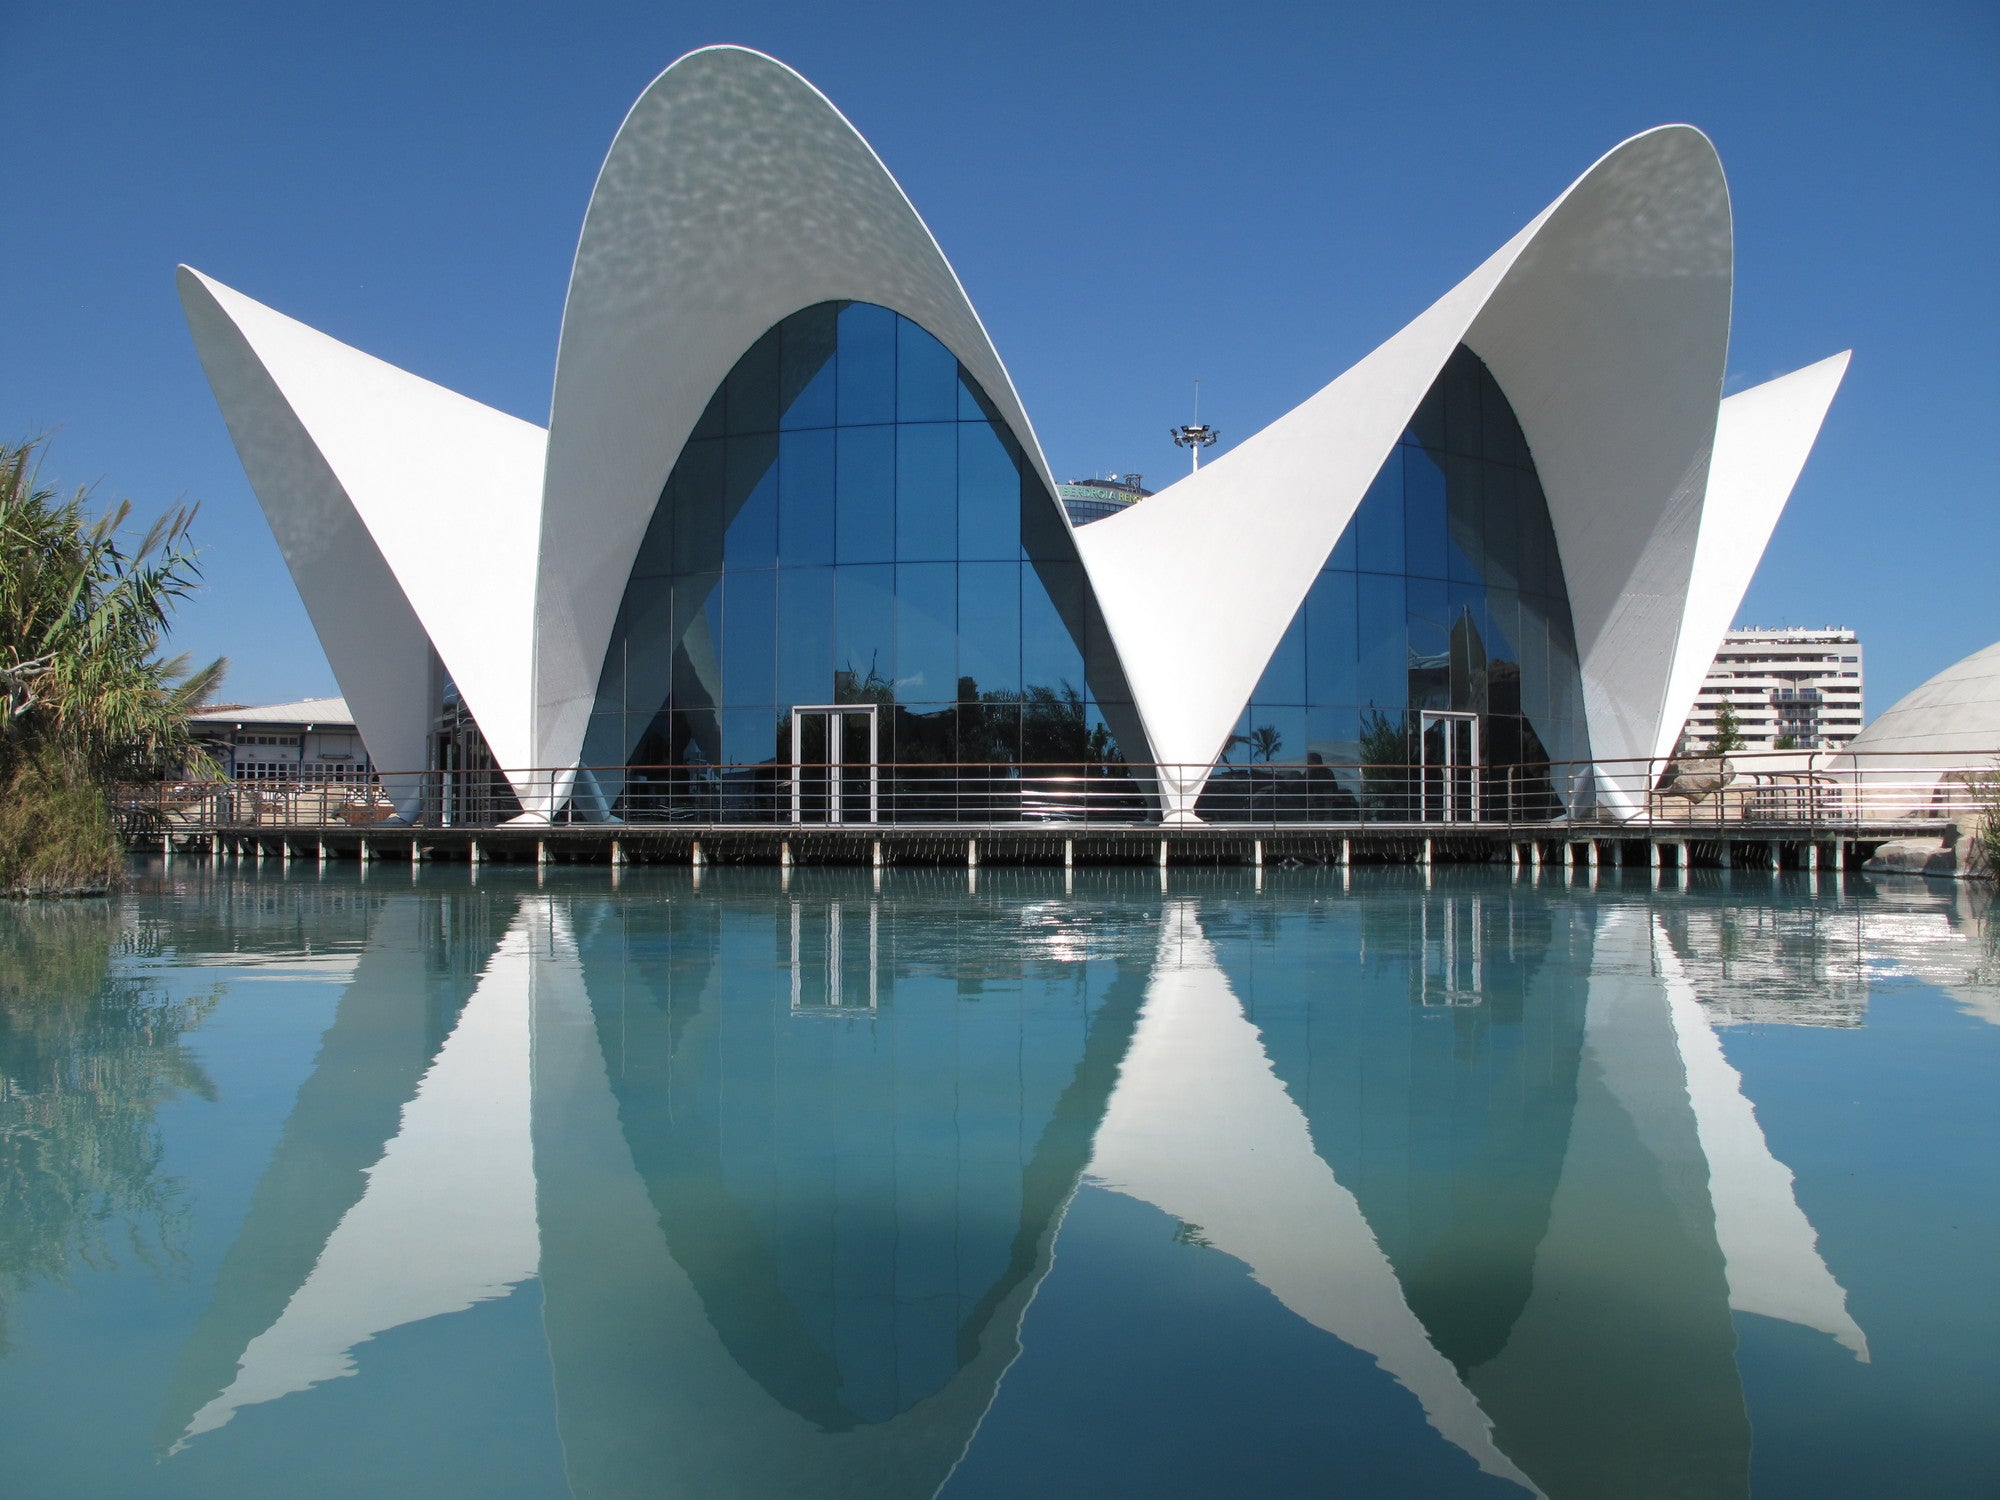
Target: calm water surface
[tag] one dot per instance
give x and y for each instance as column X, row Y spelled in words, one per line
column 315, row 1185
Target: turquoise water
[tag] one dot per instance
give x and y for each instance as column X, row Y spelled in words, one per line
column 1040, row 1185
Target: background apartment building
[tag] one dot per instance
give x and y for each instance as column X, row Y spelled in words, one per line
column 1789, row 690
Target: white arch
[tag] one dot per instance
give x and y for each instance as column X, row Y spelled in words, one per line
column 1606, row 323
column 733, row 196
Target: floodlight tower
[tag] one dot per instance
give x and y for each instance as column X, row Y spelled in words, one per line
column 1195, row 436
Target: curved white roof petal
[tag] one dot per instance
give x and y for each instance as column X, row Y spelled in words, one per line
column 733, row 196
column 1762, row 439
column 405, row 511
column 1605, row 321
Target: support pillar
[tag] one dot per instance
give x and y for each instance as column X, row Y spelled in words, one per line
column 1346, row 853
column 167, row 847
column 1777, row 857
column 474, row 853
column 696, row 857
column 972, row 854
column 1163, row 854
column 1424, row 858
column 1590, row 855
column 1069, row 854
column 875, row 860
column 1813, row 857
column 617, row 853
column 1728, row 856
column 366, row 853
column 1840, row 856
column 1257, row 853
column 541, row 852
column 1652, row 854
column 785, row 855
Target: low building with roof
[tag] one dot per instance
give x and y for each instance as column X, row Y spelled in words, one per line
column 312, row 742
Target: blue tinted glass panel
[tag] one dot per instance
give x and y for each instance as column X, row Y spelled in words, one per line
column 656, row 552
column 749, row 638
column 1049, row 655
column 806, row 368
column 865, row 514
column 926, row 377
column 1380, row 611
column 1378, row 524
column 651, row 638
column 926, row 632
column 697, row 667
column 866, row 368
column 698, row 495
column 1284, row 679
column 1333, row 733
column 927, row 492
column 805, row 499
column 989, row 495
column 752, row 498
column 749, row 738
column 989, row 732
column 972, row 406
column 751, row 392
column 1465, row 549
column 1332, row 647
column 1423, row 514
column 1277, row 735
column 989, row 626
column 864, row 643
column 1430, row 664
column 925, row 734
column 805, row 636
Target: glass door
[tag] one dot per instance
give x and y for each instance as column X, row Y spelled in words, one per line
column 835, row 750
column 1450, row 768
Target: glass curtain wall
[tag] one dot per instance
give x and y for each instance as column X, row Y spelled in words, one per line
column 1444, row 596
column 851, row 523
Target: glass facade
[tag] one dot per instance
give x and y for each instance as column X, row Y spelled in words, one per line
column 852, row 524
column 1444, row 597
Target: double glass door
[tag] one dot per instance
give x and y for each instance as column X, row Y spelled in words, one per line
column 1450, row 768
column 835, row 750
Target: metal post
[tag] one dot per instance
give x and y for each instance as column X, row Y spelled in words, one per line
column 167, row 847
column 1163, row 854
column 1346, row 853
column 972, row 854
column 1840, row 856
column 1424, row 858
column 541, row 852
column 617, row 853
column 366, row 854
column 1257, row 853
column 1069, row 854
column 696, row 857
column 474, row 853
column 1813, row 857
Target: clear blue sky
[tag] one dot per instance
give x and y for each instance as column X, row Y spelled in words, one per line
column 1134, row 196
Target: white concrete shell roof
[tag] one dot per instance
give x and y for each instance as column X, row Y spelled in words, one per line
column 1605, row 321
column 405, row 512
column 733, row 196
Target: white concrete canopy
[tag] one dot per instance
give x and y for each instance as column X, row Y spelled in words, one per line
column 1605, row 321
column 1763, row 436
column 405, row 511
column 733, row 196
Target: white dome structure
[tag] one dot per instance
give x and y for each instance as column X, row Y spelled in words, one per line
column 789, row 508
column 1956, row 713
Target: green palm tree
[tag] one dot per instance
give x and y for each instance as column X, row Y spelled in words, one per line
column 85, row 695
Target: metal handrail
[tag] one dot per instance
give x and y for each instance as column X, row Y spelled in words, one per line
column 1825, row 790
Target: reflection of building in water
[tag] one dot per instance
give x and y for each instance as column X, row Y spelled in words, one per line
column 1815, row 965
column 819, row 1237
column 275, row 1324
column 791, row 1167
